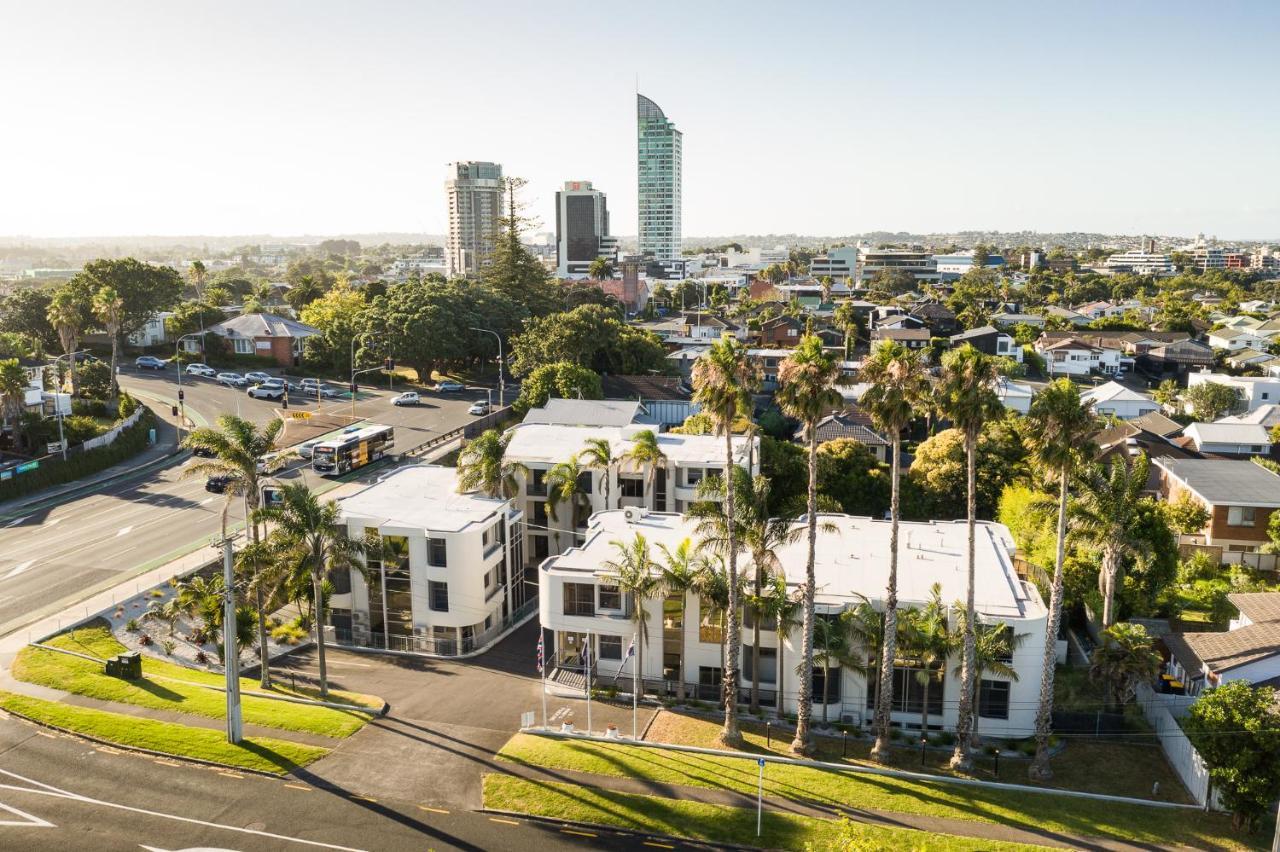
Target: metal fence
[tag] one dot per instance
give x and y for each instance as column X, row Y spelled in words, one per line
column 470, row 430
column 430, row 645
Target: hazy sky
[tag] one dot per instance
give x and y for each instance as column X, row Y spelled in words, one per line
column 324, row 117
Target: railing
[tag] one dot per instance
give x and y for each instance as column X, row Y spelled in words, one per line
column 442, row 647
column 469, row 430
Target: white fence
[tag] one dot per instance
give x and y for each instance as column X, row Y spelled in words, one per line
column 1163, row 712
column 111, row 434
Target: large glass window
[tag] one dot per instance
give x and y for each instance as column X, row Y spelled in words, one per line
column 710, row 683
column 399, row 598
column 610, row 597
column 993, row 699
column 710, row 627
column 631, row 487
column 826, row 691
column 610, row 647
column 579, row 599
column 437, row 553
column 768, row 665
column 908, row 691
column 1240, row 516
column 537, row 483
column 438, row 594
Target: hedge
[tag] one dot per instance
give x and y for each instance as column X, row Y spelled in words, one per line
column 54, row 471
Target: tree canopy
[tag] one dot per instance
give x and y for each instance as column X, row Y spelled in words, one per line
column 590, row 336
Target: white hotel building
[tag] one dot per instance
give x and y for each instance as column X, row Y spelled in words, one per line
column 578, row 603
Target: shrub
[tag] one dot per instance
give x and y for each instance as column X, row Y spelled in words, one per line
column 127, row 406
column 946, row 738
column 145, row 640
column 1027, row 747
column 131, row 625
column 54, row 471
column 202, row 658
column 156, row 593
column 288, row 634
column 168, row 645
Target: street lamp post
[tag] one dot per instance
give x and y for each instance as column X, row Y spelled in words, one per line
column 62, row 441
column 182, row 405
column 502, row 386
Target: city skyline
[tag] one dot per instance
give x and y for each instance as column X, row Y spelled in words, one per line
column 1115, row 120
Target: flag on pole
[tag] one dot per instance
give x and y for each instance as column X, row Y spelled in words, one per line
column 541, row 653
column 631, row 649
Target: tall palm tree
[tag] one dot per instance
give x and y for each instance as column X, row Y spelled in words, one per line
column 312, row 532
column 713, row 593
column 13, row 391
column 680, row 569
column 633, row 570
column 201, row 597
column 108, row 307
column 806, row 391
column 785, row 609
column 966, row 396
column 240, row 450
column 66, row 315
column 597, row 454
column 899, row 388
column 866, row 627
column 723, row 379
column 644, row 456
column 483, row 466
column 1107, row 514
column 930, row 642
column 564, row 485
column 993, row 652
column 1061, row 434
column 831, row 645
column 198, row 273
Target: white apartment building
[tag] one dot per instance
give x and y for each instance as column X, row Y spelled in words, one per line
column 1140, row 263
column 1255, row 391
column 474, row 191
column 453, row 578
column 580, row 603
column 840, row 264
column 918, row 263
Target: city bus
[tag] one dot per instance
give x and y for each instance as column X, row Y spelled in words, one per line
column 353, row 450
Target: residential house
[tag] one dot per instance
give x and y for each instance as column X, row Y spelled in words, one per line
column 939, row 319
column 991, row 340
column 583, row 607
column 1236, row 339
column 1243, row 358
column 1067, row 314
column 1249, row 650
column 153, row 331
column 1229, row 439
column 267, row 335
column 453, row 577
column 850, row 422
column 1008, row 319
column 1014, row 396
column 1126, row 440
column 911, row 338
column 1074, row 357
column 1239, row 496
column 781, row 331
column 1174, row 359
column 1263, row 415
column 1254, row 391
column 1157, row 424
column 1118, row 401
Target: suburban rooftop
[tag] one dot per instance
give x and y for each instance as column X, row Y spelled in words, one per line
column 1229, row 482
column 423, row 496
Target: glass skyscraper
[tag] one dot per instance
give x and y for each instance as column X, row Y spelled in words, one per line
column 659, row 154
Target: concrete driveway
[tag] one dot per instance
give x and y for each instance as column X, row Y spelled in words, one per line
column 447, row 718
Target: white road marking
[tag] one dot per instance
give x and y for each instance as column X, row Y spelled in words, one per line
column 53, row 523
column 22, row 566
column 27, row 821
column 124, row 531
column 17, row 521
column 205, row 501
column 48, row 790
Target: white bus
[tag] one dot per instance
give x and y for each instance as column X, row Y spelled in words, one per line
column 352, row 450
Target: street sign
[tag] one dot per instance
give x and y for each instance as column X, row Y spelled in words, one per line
column 272, row 496
column 760, row 762
column 54, row 447
column 26, row 467
column 300, row 415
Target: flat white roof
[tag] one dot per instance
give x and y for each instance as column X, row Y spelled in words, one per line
column 421, row 497
column 853, row 559
column 540, row 442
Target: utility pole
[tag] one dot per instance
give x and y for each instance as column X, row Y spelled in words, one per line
column 230, row 652
column 502, row 387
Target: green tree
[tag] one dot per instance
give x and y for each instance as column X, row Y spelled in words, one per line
column 966, row 396
column 338, row 316
column 929, row 641
column 1236, row 729
column 26, row 313
column 1062, row 427
column 70, row 313
column 563, row 379
column 938, row 477
column 831, row 645
column 680, row 577
column 723, row 380
column 510, row 269
column 1211, row 400
column 1187, row 515
column 483, row 465
column 108, row 305
column 851, row 475
column 1126, row 658
column 1106, row 514
column 13, row 391
column 1167, row 394
column 590, row 336
column 633, row 569
column 564, row 483
column 806, row 391
column 899, row 390
column 597, row 454
column 601, row 269
column 645, row 455
column 143, row 289
column 993, row 653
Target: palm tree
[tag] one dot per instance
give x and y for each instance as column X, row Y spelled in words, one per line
column 830, row 645
column 723, row 379
column 13, row 391
column 785, row 609
column 240, row 452
column 806, row 391
column 313, row 532
column 1107, row 514
column 966, row 396
column 201, row 597
column 483, row 466
column 1061, row 427
column 644, row 457
column 1125, row 659
column 680, row 569
column 564, row 485
column 994, row 650
column 600, row 269
column 866, row 626
column 713, row 589
column 634, row 574
column 108, row 307
column 899, row 387
column 66, row 315
column 198, row 273
column 597, row 454
column 930, row 643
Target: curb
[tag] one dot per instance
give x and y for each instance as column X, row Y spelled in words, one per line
column 613, row 829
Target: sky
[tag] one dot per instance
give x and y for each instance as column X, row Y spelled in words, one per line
column 269, row 117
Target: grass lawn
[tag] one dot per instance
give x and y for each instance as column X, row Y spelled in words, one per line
column 261, row 753
column 1131, row 768
column 157, row 691
column 715, row 823
column 1055, row 813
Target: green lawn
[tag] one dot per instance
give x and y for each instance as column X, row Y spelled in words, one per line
column 160, row 688
column 261, row 753
column 715, row 823
column 1055, row 813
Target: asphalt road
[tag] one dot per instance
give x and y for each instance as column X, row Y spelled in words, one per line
column 52, row 553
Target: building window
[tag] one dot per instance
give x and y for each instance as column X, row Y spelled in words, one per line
column 768, row 666
column 610, row 647
column 828, row 691
column 438, row 595
column 1240, row 516
column 579, row 599
column 584, row 482
column 243, row 346
column 993, row 699
column 610, row 597
column 908, row 691
column 539, row 512
column 437, row 553
column 710, row 682
column 537, row 485
column 631, row 487
column 710, row 628
column 693, row 475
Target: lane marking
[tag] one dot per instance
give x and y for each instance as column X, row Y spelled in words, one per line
column 430, row 809
column 124, row 531
column 503, row 821
column 46, row 734
column 303, row 787
column 53, row 523
column 230, row 775
column 205, row 501
column 19, row 569
column 27, row 821
column 658, row 845
column 579, row 833
column 365, row 799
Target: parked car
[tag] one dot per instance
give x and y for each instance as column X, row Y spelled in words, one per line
column 306, row 448
column 258, row 376
column 217, row 483
column 266, row 391
column 450, row 386
column 202, row 453
column 406, row 398
column 201, row 370
column 479, row 407
column 150, row 362
column 232, row 380
column 315, row 387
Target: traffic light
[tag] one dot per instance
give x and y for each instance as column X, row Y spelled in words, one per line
column 389, row 364
column 175, row 410
column 354, row 388
column 181, row 394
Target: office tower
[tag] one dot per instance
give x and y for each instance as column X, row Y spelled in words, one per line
column 582, row 229
column 659, row 154
column 475, row 205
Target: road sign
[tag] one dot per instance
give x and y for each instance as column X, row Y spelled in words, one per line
column 26, row 467
column 300, row 415
column 54, row 447
column 760, row 762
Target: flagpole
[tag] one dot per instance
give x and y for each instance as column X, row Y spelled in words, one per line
column 635, row 690
column 588, row 684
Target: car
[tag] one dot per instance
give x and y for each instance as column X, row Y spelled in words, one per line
column 258, row 376
column 150, row 362
column 217, row 483
column 406, row 398
column 201, row 370
column 322, row 391
column 276, row 383
column 450, row 386
column 232, row 380
column 306, row 448
column 203, row 452
column 266, row 391
column 479, row 407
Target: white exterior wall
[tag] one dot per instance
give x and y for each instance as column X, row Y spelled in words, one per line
column 1255, row 391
